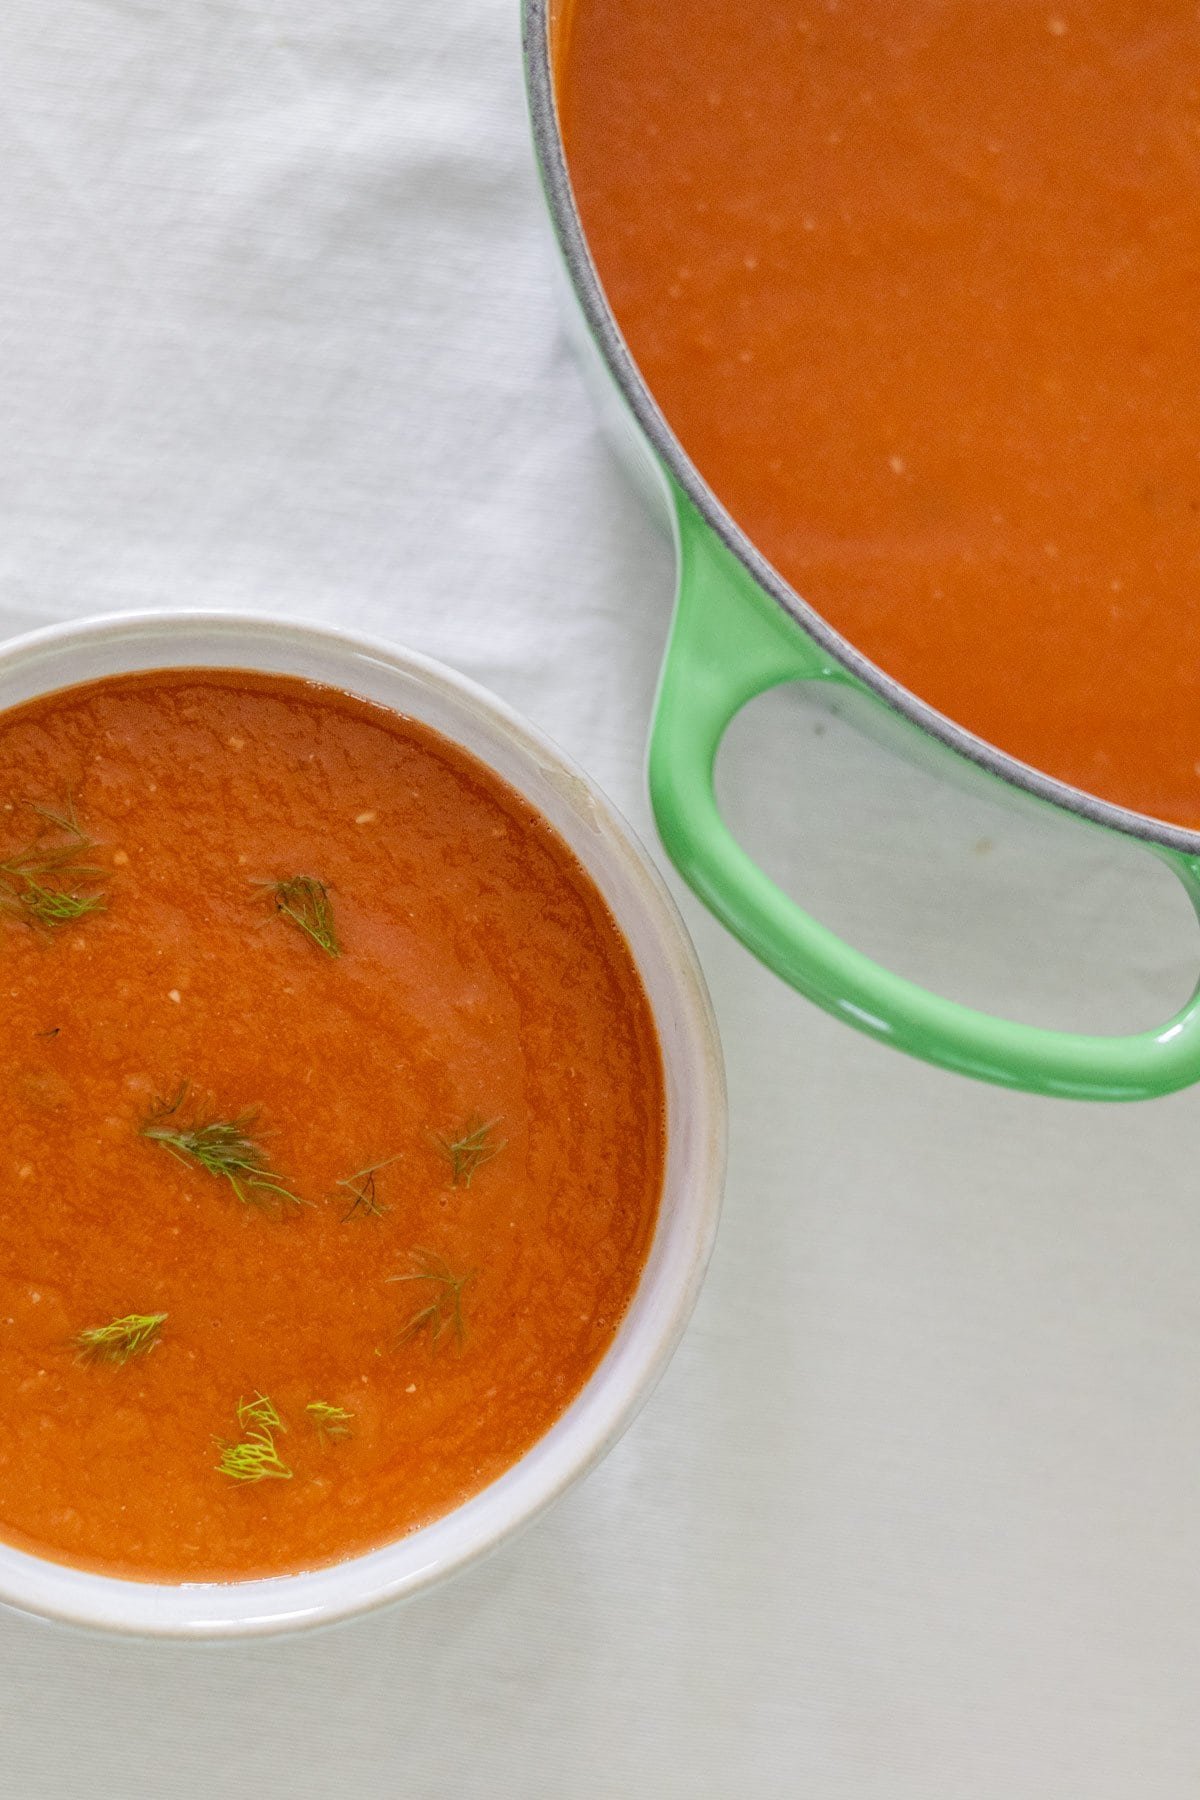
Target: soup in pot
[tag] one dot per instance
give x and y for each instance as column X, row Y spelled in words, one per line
column 917, row 284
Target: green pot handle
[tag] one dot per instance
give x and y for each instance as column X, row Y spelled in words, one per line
column 730, row 642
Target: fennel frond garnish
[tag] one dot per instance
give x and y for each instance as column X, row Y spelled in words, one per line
column 442, row 1315
column 468, row 1152
column 304, row 901
column 120, row 1339
column 255, row 1457
column 50, row 881
column 221, row 1147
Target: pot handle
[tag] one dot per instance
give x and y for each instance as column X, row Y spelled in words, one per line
column 730, row 642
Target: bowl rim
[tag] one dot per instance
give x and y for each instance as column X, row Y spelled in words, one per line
column 602, row 324
column 687, row 1221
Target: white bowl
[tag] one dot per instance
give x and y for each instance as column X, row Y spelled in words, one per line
column 65, row 655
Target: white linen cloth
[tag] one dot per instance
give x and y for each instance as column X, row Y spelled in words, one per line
column 915, row 1514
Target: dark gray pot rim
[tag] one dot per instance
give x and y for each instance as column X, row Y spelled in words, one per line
column 569, row 230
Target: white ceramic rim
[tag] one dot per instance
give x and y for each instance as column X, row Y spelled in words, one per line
column 416, row 686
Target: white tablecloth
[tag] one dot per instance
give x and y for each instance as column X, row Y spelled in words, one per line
column 915, row 1514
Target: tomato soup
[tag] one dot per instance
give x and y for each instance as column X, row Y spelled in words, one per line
column 332, row 1126
column 917, row 283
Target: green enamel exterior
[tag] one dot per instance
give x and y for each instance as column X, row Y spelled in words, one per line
column 731, row 642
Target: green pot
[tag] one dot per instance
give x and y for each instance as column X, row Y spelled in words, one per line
column 738, row 630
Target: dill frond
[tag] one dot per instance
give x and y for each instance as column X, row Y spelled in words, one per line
column 305, row 901
column 362, row 1186
column 252, row 1462
column 117, row 1341
column 468, row 1152
column 54, row 906
column 256, row 1457
column 259, row 1412
column 66, row 821
column 51, row 882
column 222, row 1147
column 442, row 1317
column 330, row 1421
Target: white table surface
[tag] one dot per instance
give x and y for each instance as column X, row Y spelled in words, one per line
column 915, row 1514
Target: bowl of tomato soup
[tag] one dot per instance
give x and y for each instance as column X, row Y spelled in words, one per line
column 894, row 306
column 363, row 1124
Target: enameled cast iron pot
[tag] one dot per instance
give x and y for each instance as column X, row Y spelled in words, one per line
column 739, row 629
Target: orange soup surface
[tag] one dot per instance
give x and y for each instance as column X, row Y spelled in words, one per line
column 917, row 283
column 331, row 1114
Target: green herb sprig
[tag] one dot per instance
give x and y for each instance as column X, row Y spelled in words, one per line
column 222, row 1147
column 120, row 1339
column 442, row 1316
column 304, row 901
column 50, row 881
column 470, row 1150
column 362, row 1186
column 256, row 1457
column 330, row 1421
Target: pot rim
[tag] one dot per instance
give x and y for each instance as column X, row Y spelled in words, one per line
column 62, row 656
column 601, row 320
